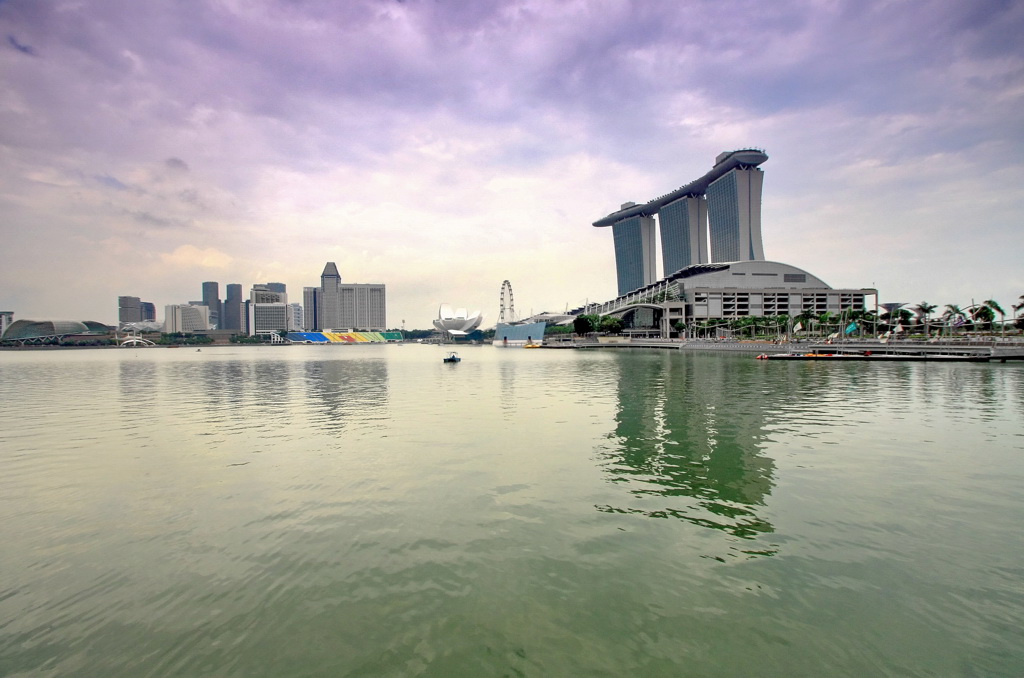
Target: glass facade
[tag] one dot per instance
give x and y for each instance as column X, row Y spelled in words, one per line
column 634, row 252
column 734, row 214
column 683, row 228
column 724, row 218
column 211, row 300
column 232, row 309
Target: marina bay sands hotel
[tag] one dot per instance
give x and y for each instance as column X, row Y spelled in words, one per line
column 712, row 257
column 724, row 204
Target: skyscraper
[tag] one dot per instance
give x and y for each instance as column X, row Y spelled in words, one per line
column 635, row 256
column 684, row 233
column 211, row 300
column 186, row 318
column 232, row 309
column 261, row 294
column 716, row 218
column 734, row 210
column 349, row 306
column 330, row 298
column 129, row 309
column 311, row 308
column 363, row 306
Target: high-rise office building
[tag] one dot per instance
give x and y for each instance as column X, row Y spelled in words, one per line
column 349, row 306
column 295, row 317
column 129, row 310
column 148, row 310
column 330, row 299
column 363, row 306
column 267, row 317
column 310, row 308
column 277, row 287
column 186, row 318
column 6, row 320
column 260, row 294
column 211, row 300
column 232, row 308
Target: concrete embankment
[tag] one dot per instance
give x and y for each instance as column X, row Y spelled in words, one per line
column 998, row 350
column 680, row 345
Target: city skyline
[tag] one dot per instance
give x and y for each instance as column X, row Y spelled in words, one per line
column 441, row 149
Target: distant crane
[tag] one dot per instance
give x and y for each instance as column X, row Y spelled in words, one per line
column 506, row 285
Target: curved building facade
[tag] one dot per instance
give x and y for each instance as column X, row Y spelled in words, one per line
column 456, row 323
column 42, row 331
column 714, row 218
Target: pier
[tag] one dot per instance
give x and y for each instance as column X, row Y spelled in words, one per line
column 994, row 349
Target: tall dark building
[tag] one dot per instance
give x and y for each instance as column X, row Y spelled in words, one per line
column 211, row 300
column 277, row 287
column 129, row 309
column 232, row 309
column 148, row 311
column 721, row 209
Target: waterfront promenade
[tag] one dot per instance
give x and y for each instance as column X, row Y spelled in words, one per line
column 997, row 348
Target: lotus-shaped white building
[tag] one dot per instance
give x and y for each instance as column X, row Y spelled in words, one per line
column 457, row 322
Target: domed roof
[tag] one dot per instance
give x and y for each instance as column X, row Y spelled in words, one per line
column 37, row 329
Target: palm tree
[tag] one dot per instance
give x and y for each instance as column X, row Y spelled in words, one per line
column 924, row 309
column 952, row 314
column 983, row 314
column 1018, row 313
column 825, row 321
column 781, row 321
column 993, row 305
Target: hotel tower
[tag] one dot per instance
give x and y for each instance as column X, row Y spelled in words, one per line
column 716, row 218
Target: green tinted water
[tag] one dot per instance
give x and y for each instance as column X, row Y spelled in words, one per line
column 371, row 511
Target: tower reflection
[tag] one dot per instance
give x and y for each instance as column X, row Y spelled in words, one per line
column 688, row 441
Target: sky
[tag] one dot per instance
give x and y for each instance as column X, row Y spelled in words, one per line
column 441, row 147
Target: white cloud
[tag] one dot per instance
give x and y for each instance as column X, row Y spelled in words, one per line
column 443, row 147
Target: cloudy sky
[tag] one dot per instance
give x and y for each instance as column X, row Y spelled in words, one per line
column 441, row 146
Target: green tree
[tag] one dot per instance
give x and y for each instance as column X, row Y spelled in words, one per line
column 585, row 324
column 953, row 316
column 993, row 305
column 983, row 314
column 925, row 310
column 611, row 324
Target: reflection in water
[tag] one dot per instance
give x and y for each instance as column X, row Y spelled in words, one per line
column 301, row 511
column 351, row 393
column 687, row 442
column 216, row 399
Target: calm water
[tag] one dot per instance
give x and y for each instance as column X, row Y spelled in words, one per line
column 370, row 511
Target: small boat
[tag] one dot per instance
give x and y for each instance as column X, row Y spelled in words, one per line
column 452, row 357
column 531, row 346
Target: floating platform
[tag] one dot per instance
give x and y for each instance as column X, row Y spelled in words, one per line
column 872, row 356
